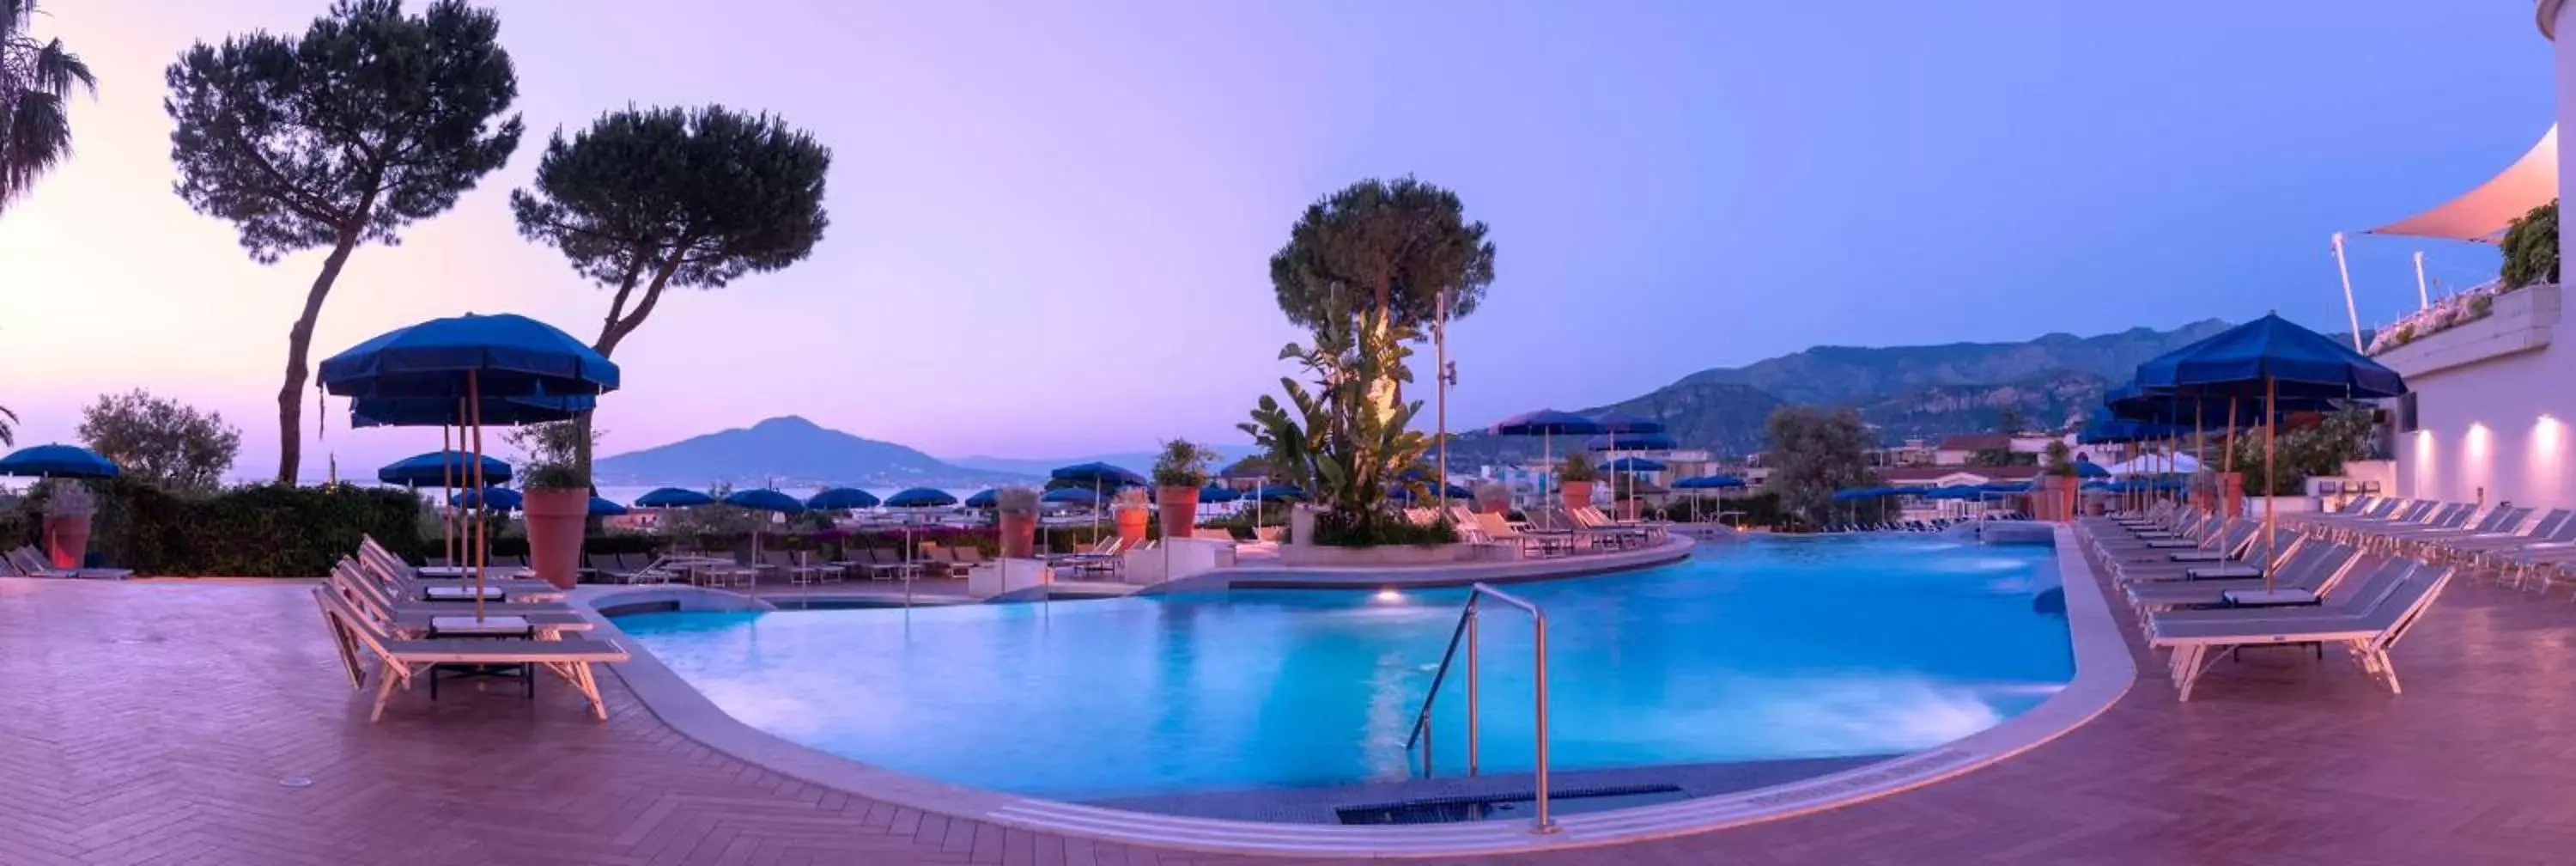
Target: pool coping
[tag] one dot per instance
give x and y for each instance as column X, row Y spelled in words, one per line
column 2104, row 672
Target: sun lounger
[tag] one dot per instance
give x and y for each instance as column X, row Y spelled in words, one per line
column 2367, row 628
column 2311, row 570
column 27, row 562
column 400, row 661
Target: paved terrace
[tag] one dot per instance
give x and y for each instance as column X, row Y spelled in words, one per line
column 153, row 723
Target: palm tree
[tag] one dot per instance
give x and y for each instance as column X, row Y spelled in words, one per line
column 8, row 434
column 35, row 80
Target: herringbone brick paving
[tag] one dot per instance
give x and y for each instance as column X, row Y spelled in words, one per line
column 153, row 723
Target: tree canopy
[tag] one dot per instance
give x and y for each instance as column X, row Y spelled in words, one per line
column 368, row 122
column 36, row 80
column 1815, row 452
column 662, row 197
column 1388, row 245
column 161, row 441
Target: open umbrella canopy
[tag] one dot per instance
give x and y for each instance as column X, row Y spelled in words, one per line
column 442, row 467
column 921, row 497
column 1624, row 424
column 1279, row 493
column 1101, row 475
column 1547, row 422
column 2115, row 431
column 1631, row 442
column 58, row 461
column 841, row 499
column 1955, row 491
column 2165, row 409
column 489, row 498
column 508, row 355
column 1708, row 482
column 430, row 411
column 2005, row 487
column 1071, row 496
column 673, row 497
column 765, row 499
column 1218, row 493
column 2090, row 469
column 2299, row 362
column 988, row 498
column 1848, row 494
column 601, row 507
column 1635, row 464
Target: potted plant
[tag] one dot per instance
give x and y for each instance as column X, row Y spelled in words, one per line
column 1577, row 476
column 1131, row 512
column 2057, row 497
column 1179, row 472
column 1016, row 510
column 68, row 508
column 556, row 499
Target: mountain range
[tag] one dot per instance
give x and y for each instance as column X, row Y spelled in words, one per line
column 1901, row 391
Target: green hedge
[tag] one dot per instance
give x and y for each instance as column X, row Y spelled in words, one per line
column 258, row 531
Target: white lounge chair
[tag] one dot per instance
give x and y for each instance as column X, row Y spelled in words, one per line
column 2367, row 627
column 401, row 662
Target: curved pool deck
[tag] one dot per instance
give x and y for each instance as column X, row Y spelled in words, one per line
column 2104, row 671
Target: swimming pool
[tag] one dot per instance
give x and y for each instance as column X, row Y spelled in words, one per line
column 1763, row 650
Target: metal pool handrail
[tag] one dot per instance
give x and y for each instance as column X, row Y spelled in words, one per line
column 1466, row 633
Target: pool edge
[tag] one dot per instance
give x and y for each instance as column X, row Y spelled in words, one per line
column 2104, row 672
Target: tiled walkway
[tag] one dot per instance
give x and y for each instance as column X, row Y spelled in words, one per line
column 159, row 723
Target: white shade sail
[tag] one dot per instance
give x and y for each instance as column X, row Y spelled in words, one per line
column 2484, row 213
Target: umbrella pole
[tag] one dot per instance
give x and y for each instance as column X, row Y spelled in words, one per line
column 446, row 491
column 474, row 409
column 2199, row 446
column 2270, row 549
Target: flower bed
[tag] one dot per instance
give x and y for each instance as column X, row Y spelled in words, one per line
column 2450, row 312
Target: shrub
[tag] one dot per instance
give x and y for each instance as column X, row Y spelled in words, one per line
column 1578, row 467
column 1334, row 529
column 256, row 531
column 2531, row 248
column 1183, row 463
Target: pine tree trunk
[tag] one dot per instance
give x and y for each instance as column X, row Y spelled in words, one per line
column 299, row 347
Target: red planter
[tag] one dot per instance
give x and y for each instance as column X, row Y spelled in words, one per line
column 1179, row 507
column 1576, row 494
column 1131, row 527
column 1019, row 535
column 67, row 540
column 554, row 533
column 2231, row 494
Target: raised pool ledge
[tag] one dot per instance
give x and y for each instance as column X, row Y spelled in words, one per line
column 1265, row 575
column 2104, row 671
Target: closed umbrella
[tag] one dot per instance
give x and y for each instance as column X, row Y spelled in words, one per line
column 478, row 365
column 2271, row 358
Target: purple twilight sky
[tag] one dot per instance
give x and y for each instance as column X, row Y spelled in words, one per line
column 1051, row 220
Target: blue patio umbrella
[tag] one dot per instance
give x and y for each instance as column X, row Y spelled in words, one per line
column 447, row 411
column 2089, row 469
column 673, row 497
column 1547, row 424
column 841, row 499
column 2006, row 487
column 1100, row 477
column 765, row 499
column 1218, row 493
column 921, row 497
column 58, row 461
column 1955, row 491
column 1636, row 464
column 600, row 507
column 1708, row 482
column 441, row 468
column 988, row 498
column 1071, row 496
column 487, row 499
column 1631, row 442
column 1621, row 424
column 467, row 356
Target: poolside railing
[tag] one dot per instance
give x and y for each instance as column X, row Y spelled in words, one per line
column 1465, row 634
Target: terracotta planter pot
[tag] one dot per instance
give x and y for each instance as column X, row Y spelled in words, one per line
column 1131, row 526
column 554, row 533
column 2231, row 494
column 67, row 540
column 1576, row 494
column 1179, row 507
column 1019, row 535
column 2069, row 492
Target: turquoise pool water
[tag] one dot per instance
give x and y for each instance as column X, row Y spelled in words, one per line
column 1769, row 649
